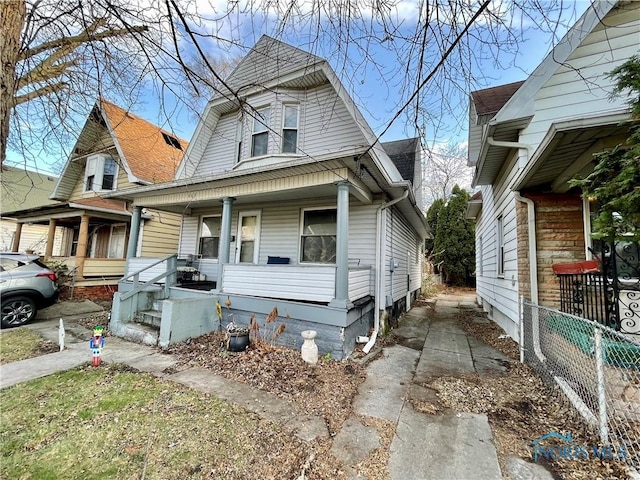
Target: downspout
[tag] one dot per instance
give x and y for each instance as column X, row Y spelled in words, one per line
column 379, row 269
column 533, row 279
column 533, row 249
column 531, row 214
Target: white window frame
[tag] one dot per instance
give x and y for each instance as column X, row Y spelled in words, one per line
column 200, row 236
column 262, row 127
column 239, row 137
column 256, row 240
column 296, row 128
column 301, row 233
column 95, row 166
column 500, row 246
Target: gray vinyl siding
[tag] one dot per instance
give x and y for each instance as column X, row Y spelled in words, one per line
column 220, row 153
column 280, row 231
column 401, row 239
column 269, row 59
column 324, row 126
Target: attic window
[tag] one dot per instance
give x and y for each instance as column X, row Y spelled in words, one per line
column 172, row 141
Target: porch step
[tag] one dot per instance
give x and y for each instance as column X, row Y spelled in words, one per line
column 139, row 333
column 151, row 318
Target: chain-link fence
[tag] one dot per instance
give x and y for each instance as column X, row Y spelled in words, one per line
column 595, row 367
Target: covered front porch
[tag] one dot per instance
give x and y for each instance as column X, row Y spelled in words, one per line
column 154, row 306
column 303, row 236
column 86, row 237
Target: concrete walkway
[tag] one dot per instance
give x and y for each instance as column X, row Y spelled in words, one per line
column 450, row 445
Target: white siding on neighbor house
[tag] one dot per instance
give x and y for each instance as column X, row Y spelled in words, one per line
column 499, row 291
column 581, row 87
column 568, row 94
column 402, row 245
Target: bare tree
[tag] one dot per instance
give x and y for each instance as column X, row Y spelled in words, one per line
column 444, row 166
column 60, row 55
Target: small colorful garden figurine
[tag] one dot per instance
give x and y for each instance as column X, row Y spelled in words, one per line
column 96, row 344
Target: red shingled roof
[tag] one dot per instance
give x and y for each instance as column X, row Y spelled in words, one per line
column 150, row 152
column 491, row 100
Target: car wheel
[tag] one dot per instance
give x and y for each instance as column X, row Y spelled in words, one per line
column 17, row 311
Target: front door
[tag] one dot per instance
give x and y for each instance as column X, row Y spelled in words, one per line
column 248, row 239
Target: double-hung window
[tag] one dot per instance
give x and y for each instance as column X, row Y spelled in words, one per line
column 318, row 237
column 290, row 128
column 100, row 173
column 209, row 237
column 260, row 132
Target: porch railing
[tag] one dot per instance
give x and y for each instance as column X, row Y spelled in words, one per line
column 606, row 290
column 163, row 269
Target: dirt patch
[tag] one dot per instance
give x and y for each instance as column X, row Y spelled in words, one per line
column 326, row 389
column 521, row 408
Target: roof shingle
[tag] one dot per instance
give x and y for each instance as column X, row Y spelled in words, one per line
column 490, row 100
column 150, row 152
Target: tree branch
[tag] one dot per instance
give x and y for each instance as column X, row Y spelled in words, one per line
column 87, row 35
column 46, row 90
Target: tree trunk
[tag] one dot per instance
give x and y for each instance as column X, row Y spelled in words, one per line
column 12, row 14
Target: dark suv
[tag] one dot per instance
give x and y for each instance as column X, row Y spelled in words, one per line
column 26, row 285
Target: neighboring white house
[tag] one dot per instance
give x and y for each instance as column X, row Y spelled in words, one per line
column 526, row 140
column 289, row 201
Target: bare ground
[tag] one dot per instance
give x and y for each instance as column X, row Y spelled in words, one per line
column 519, row 406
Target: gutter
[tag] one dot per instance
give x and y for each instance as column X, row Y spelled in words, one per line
column 380, row 269
column 522, row 146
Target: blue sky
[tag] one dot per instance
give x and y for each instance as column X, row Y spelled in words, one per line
column 376, row 95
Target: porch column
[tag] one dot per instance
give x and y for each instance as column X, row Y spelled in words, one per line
column 135, row 232
column 15, row 245
column 83, row 241
column 225, row 238
column 51, row 237
column 341, row 299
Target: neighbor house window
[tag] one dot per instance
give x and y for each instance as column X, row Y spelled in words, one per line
column 500, row 245
column 100, row 173
column 117, row 241
column 290, row 129
column 260, row 132
column 209, row 237
column 318, row 236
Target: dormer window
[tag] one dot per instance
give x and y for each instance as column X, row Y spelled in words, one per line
column 260, row 132
column 171, row 141
column 290, row 128
column 100, row 173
